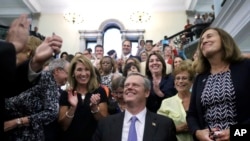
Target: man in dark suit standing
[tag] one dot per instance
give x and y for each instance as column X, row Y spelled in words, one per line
column 126, row 53
column 127, row 50
column 148, row 126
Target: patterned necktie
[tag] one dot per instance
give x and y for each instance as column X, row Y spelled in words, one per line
column 132, row 136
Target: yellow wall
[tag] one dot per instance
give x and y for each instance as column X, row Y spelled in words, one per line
column 161, row 23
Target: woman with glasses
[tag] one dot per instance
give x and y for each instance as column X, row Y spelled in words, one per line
column 176, row 107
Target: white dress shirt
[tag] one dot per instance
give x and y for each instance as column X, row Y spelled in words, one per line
column 139, row 125
column 125, row 57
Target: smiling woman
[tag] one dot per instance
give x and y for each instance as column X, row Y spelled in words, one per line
column 84, row 104
column 161, row 83
column 176, row 107
column 222, row 96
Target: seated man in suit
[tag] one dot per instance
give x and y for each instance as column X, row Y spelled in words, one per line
column 147, row 126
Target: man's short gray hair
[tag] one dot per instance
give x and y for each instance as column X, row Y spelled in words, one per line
column 147, row 84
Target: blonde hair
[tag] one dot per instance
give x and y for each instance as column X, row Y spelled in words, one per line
column 93, row 83
column 32, row 44
column 185, row 65
column 29, row 49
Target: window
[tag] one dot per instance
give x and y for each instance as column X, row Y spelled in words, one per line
column 91, row 44
column 112, row 40
column 134, row 46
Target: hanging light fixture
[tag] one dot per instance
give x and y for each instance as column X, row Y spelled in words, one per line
column 73, row 17
column 140, row 17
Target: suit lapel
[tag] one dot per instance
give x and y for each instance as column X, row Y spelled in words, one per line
column 117, row 125
column 203, row 80
column 151, row 126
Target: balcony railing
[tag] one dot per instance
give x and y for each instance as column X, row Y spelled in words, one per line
column 186, row 40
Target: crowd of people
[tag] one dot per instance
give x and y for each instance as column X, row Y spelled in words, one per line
column 153, row 95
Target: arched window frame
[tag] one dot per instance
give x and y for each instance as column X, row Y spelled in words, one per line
column 97, row 35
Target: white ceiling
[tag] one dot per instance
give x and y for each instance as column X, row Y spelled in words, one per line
column 10, row 9
column 13, row 8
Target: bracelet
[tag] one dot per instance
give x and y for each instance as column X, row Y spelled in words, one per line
column 94, row 112
column 68, row 116
column 22, row 121
column 19, row 122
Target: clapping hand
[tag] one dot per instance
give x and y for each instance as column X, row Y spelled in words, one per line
column 72, row 97
column 18, row 33
column 94, row 101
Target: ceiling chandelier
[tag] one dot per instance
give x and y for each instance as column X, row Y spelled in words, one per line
column 140, row 17
column 73, row 17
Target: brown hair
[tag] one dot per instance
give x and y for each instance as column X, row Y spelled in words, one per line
column 29, row 50
column 164, row 66
column 135, row 60
column 231, row 52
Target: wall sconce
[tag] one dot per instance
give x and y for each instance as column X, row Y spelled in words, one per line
column 73, row 17
column 140, row 17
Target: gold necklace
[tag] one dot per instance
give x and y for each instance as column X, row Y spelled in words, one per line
column 225, row 68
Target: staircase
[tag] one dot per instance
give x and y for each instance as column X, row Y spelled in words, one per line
column 233, row 17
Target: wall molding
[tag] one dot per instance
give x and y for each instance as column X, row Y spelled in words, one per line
column 33, row 5
column 111, row 22
column 97, row 35
column 234, row 18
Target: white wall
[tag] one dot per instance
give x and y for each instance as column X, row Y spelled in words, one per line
column 161, row 23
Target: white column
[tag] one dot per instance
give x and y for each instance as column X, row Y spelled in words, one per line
column 82, row 43
column 123, row 36
column 99, row 38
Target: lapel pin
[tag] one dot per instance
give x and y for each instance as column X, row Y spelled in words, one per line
column 153, row 123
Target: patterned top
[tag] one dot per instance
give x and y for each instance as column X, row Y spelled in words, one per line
column 40, row 103
column 107, row 80
column 218, row 101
